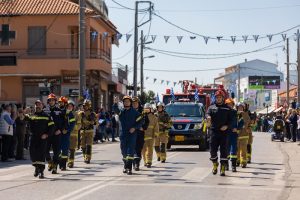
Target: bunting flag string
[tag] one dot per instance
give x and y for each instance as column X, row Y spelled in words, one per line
column 147, row 78
column 153, row 37
column 270, row 37
column 283, row 36
column 255, row 37
column 245, row 38
column 233, row 38
column 219, row 38
column 128, row 36
column 162, row 81
column 193, row 37
column 168, row 82
column 179, row 39
column 154, row 80
column 166, row 38
column 206, row 39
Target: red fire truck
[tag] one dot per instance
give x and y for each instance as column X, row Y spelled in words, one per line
column 188, row 93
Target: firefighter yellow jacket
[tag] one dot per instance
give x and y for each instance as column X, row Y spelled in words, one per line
column 153, row 128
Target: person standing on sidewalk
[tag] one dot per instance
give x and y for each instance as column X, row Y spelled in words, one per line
column 293, row 124
column 41, row 126
column 21, row 126
column 6, row 131
column 219, row 122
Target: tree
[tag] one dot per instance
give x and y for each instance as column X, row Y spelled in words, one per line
column 147, row 97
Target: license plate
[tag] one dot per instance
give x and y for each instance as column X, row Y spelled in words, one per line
column 278, row 127
column 179, row 138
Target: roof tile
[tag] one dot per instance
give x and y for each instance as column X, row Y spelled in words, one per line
column 39, row 7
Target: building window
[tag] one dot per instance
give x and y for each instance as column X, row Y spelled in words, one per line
column 37, row 40
column 6, row 35
column 8, row 61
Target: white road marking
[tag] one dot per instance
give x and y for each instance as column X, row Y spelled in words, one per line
column 200, row 186
column 197, row 174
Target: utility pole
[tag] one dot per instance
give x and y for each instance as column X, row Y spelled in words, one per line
column 135, row 46
column 135, row 49
column 287, row 73
column 239, row 83
column 142, row 65
column 82, row 40
column 298, row 66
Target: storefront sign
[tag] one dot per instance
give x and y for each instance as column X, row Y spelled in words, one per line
column 70, row 76
column 264, row 82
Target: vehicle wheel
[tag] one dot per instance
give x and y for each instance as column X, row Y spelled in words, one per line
column 169, row 146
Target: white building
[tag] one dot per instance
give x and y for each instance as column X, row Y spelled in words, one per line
column 258, row 96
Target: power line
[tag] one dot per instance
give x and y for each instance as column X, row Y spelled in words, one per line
column 186, row 71
column 127, row 8
column 214, row 10
column 123, row 56
column 208, row 58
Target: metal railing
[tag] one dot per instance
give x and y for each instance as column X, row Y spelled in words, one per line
column 58, row 53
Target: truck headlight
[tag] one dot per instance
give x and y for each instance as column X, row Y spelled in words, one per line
column 198, row 126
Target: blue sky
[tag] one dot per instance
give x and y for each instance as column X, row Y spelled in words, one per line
column 211, row 18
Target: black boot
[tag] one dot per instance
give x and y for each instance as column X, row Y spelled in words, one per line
column 233, row 163
column 41, row 176
column 148, row 165
column 36, row 172
column 63, row 164
column 136, row 164
column 129, row 167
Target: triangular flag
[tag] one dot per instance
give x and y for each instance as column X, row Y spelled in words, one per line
column 147, row 78
column 162, row 81
column 128, row 36
column 233, row 38
column 283, row 37
column 154, row 80
column 175, row 83
column 206, row 39
column 104, row 35
column 192, row 37
column 270, row 37
column 153, row 37
column 179, row 38
column 119, row 36
column 168, row 82
column 219, row 38
column 166, row 38
column 245, row 38
column 255, row 37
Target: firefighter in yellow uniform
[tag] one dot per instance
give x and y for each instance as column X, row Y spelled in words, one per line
column 161, row 138
column 243, row 124
column 150, row 132
column 88, row 120
column 74, row 138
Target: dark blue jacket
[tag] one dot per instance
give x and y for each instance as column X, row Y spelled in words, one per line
column 129, row 119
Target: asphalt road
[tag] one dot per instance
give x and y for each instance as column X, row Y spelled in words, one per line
column 185, row 175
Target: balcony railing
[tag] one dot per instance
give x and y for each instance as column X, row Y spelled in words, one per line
column 57, row 53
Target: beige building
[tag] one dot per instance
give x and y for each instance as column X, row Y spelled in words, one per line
column 39, row 50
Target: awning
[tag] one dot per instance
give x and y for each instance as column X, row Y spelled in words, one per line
column 266, row 110
column 278, row 109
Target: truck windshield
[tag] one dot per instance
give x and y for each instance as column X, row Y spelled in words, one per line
column 184, row 110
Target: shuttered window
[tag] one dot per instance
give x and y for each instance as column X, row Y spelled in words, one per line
column 37, row 40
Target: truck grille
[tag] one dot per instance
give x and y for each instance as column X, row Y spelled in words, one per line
column 179, row 126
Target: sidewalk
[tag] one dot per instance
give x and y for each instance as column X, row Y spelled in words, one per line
column 291, row 152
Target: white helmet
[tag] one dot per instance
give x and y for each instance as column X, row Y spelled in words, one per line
column 240, row 104
column 147, row 106
column 160, row 104
column 71, row 102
